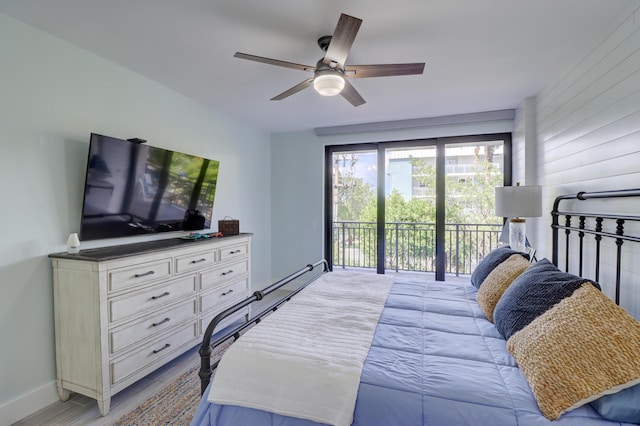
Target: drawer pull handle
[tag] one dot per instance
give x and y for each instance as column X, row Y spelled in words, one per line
column 199, row 260
column 227, row 292
column 144, row 274
column 155, row 324
column 230, row 271
column 235, row 252
column 166, row 293
column 155, row 351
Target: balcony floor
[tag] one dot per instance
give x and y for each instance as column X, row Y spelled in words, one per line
column 414, row 276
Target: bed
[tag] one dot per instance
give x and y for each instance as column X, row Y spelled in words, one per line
column 490, row 351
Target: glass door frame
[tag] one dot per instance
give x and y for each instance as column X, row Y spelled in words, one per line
column 381, row 147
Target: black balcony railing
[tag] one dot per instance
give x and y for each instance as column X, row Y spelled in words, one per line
column 412, row 246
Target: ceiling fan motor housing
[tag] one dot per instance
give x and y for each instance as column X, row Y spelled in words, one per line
column 323, row 42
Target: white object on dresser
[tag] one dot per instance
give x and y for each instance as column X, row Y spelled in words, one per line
column 123, row 311
column 73, row 243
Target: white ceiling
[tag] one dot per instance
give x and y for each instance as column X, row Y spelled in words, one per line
column 481, row 55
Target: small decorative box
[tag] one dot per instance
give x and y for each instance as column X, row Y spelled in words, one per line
column 229, row 226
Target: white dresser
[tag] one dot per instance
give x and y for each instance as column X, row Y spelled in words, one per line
column 123, row 311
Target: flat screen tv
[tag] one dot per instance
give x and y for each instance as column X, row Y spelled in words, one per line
column 132, row 188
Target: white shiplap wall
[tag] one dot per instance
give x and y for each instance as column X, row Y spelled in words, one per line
column 588, row 135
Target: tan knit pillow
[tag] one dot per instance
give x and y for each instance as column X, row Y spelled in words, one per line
column 582, row 348
column 498, row 281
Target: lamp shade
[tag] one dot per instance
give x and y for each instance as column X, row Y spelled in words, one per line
column 519, row 201
column 328, row 83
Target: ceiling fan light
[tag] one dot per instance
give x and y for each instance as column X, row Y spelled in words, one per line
column 328, row 83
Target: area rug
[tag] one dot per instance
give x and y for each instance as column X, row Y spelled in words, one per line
column 175, row 404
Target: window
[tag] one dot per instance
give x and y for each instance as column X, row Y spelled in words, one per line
column 417, row 206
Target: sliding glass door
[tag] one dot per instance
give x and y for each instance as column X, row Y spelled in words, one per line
column 354, row 211
column 471, row 172
column 410, row 208
column 421, row 206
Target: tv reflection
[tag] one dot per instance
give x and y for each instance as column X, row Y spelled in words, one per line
column 138, row 189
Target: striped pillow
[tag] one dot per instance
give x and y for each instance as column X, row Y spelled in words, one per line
column 498, row 281
column 489, row 263
column 536, row 290
column 579, row 350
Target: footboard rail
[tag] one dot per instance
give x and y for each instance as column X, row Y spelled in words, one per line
column 205, row 350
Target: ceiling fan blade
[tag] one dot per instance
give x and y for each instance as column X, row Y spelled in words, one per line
column 383, row 70
column 295, row 89
column 276, row 62
column 351, row 94
column 342, row 39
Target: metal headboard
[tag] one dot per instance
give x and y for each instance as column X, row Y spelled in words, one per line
column 593, row 224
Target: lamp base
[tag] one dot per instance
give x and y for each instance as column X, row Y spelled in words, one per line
column 518, row 234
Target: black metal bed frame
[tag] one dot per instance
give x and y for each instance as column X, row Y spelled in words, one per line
column 583, row 228
column 206, row 368
column 597, row 230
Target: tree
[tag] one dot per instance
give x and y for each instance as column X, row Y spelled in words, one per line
column 469, row 199
column 351, row 193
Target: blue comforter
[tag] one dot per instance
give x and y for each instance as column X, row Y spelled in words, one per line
column 435, row 360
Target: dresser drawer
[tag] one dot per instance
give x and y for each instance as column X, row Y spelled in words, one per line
column 224, row 295
column 195, row 261
column 138, row 274
column 216, row 276
column 130, row 304
column 233, row 252
column 148, row 354
column 153, row 324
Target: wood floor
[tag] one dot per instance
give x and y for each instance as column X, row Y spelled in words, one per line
column 82, row 410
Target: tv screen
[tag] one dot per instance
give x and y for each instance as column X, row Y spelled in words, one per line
column 132, row 188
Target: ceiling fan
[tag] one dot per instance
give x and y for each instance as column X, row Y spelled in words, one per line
column 330, row 73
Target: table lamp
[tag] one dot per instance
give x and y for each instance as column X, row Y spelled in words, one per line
column 516, row 203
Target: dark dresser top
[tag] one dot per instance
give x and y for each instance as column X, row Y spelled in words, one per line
column 133, row 249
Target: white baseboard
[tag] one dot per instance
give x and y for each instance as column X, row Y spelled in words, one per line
column 28, row 403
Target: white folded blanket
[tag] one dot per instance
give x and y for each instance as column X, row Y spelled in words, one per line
column 305, row 360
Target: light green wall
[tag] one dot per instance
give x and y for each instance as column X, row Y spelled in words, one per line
column 297, row 201
column 52, row 96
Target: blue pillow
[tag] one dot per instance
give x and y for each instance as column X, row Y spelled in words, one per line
column 623, row 406
column 536, row 290
column 490, row 262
